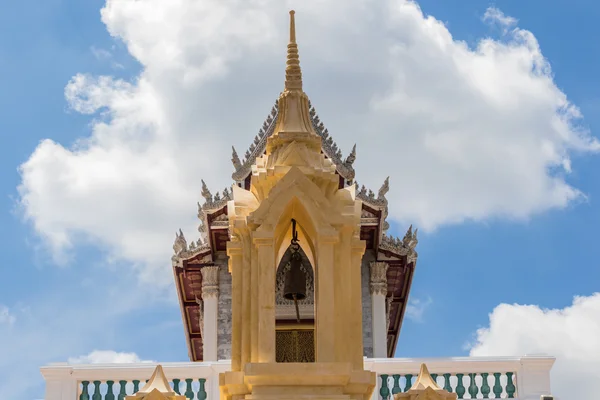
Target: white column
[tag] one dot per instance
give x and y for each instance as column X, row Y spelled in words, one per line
column 533, row 378
column 210, row 300
column 60, row 383
column 378, row 312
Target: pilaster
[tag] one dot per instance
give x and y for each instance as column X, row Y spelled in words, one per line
column 378, row 286
column 266, row 296
column 234, row 251
column 325, row 301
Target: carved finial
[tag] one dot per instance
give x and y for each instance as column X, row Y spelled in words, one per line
column 410, row 239
column 226, row 194
column 384, row 188
column 180, row 244
column 351, row 157
column 293, row 74
column 235, row 159
column 206, row 193
column 157, row 382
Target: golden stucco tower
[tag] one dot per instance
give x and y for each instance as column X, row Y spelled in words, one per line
column 294, row 184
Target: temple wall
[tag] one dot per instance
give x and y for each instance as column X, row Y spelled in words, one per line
column 366, row 303
column 224, row 313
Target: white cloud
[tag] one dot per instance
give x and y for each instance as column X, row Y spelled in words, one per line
column 106, row 357
column 570, row 334
column 416, row 308
column 496, row 16
column 6, row 317
column 466, row 134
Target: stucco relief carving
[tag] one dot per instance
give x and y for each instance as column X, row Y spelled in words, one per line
column 210, row 281
column 200, row 316
column 379, row 278
column 388, row 312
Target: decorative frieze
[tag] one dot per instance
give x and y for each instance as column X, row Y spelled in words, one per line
column 210, row 281
column 379, row 278
column 200, row 315
column 388, row 312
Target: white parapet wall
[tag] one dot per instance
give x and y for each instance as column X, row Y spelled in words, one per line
column 522, row 378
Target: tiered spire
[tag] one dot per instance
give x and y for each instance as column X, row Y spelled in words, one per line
column 293, row 73
column 293, row 120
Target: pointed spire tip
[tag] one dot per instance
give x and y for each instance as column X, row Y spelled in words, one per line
column 292, row 27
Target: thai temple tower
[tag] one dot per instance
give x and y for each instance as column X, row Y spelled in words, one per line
column 293, row 278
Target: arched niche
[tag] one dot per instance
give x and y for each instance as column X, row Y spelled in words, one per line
column 306, row 228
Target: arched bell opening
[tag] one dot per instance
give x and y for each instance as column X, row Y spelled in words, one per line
column 295, row 320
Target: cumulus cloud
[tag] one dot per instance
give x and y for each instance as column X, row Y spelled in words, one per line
column 465, row 133
column 106, row 357
column 570, row 334
column 416, row 308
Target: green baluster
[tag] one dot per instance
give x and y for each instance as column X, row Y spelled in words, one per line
column 122, row 390
column 473, row 390
column 384, row 391
column 510, row 386
column 85, row 395
column 189, row 393
column 97, row 395
column 447, row 386
column 434, row 377
column 497, row 385
column 176, row 385
column 485, row 388
column 396, row 388
column 202, row 391
column 408, row 382
column 460, row 389
column 136, row 386
column 109, row 391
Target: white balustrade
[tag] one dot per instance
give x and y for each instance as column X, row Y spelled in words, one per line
column 530, row 376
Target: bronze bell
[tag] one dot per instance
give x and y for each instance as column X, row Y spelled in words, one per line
column 294, row 287
column 295, row 280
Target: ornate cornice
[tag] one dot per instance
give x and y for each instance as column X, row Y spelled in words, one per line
column 257, row 148
column 183, row 251
column 379, row 278
column 210, row 281
column 367, row 196
column 216, row 202
column 404, row 247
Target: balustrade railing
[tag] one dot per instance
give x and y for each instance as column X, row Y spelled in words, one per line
column 522, row 378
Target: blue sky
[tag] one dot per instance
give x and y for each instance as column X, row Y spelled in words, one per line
column 89, row 295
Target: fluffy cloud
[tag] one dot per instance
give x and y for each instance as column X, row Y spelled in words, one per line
column 465, row 133
column 107, row 357
column 416, row 308
column 570, row 334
